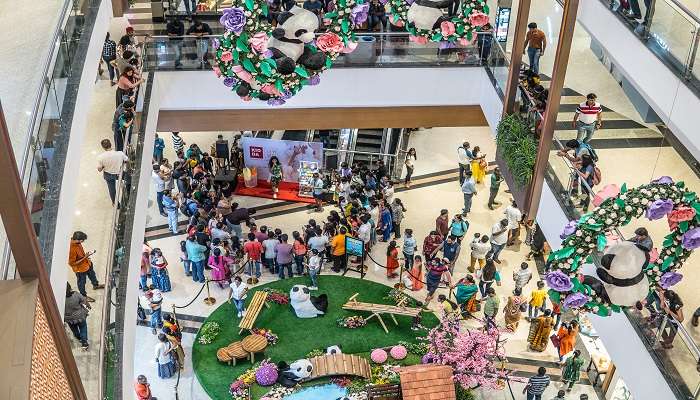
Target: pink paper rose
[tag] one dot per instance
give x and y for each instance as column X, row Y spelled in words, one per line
column 399, row 23
column 463, row 42
column 226, row 56
column 447, row 28
column 217, row 71
column 418, row 39
column 246, row 98
column 349, row 48
column 478, row 19
column 271, row 90
column 259, row 42
column 329, row 42
column 680, row 214
column 242, row 73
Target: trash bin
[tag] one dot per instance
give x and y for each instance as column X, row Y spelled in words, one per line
column 250, row 177
column 364, row 52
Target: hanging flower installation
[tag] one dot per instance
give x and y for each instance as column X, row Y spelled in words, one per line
column 426, row 20
column 661, row 198
column 257, row 61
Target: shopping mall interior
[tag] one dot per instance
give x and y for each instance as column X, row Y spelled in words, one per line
column 350, row 199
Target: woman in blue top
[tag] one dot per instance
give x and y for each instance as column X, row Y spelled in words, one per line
column 386, row 222
column 458, row 227
column 158, row 149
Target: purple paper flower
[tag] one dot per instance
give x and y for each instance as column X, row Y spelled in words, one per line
column 446, row 45
column 286, row 95
column 266, row 375
column 229, row 81
column 383, row 1
column 409, row 2
column 359, row 13
column 667, row 180
column 233, row 19
column 559, row 281
column 216, row 43
column 427, row 359
column 659, row 208
column 314, row 80
column 569, row 229
column 275, row 101
column 267, row 54
column 669, row 279
column 691, row 239
column 575, row 300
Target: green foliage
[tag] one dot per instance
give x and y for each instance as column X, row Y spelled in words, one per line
column 518, row 147
column 463, row 394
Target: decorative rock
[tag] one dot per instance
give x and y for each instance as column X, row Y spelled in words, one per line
column 398, row 352
column 378, row 356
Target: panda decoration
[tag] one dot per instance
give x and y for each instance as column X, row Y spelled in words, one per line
column 621, row 280
column 291, row 374
column 335, row 349
column 305, row 305
column 295, row 28
column 428, row 14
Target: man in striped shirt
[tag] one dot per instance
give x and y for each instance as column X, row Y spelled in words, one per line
column 588, row 118
column 178, row 143
column 537, row 384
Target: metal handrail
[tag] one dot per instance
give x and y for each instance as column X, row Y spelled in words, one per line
column 359, row 33
column 369, row 153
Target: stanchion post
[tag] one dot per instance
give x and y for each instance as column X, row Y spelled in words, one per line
column 209, row 300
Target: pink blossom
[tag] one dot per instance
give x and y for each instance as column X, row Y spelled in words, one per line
column 349, row 48
column 217, row 71
column 226, row 56
column 259, row 42
column 271, row 89
column 242, row 73
column 246, row 98
column 447, row 28
column 329, row 42
column 478, row 19
column 463, row 42
column 418, row 39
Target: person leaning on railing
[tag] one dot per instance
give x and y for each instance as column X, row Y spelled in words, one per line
column 176, row 29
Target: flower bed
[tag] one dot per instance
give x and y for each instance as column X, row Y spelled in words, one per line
column 208, row 332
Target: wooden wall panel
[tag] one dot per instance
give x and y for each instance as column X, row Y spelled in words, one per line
column 319, row 118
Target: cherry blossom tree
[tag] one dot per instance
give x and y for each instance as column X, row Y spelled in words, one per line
column 473, row 354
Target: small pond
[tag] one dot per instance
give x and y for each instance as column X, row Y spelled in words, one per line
column 330, row 391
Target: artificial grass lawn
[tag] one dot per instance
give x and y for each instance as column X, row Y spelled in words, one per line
column 297, row 336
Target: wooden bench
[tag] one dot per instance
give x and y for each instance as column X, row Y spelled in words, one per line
column 378, row 309
column 259, row 299
column 340, row 364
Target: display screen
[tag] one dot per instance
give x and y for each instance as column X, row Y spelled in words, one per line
column 354, row 246
column 502, row 21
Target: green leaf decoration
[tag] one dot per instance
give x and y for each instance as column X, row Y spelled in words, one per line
column 249, row 4
column 615, row 308
column 249, row 66
column 696, row 206
column 301, row 71
column 575, row 264
column 242, row 43
column 620, row 203
column 689, row 196
column 329, row 62
column 460, row 29
column 265, row 69
column 437, row 36
column 564, row 253
column 578, row 287
column 345, row 26
column 264, row 8
column 470, row 35
column 684, row 226
column 623, row 189
column 588, row 290
column 601, row 242
column 668, row 242
column 679, row 251
column 603, row 311
column 554, row 296
column 279, row 86
column 330, row 15
column 486, row 9
column 589, row 259
column 272, row 62
column 342, row 3
column 667, row 262
column 680, row 184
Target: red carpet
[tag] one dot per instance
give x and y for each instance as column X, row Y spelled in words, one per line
column 288, row 191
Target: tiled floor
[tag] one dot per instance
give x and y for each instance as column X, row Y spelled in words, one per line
column 436, row 148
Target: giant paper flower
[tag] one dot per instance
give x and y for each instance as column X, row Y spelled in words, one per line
column 233, row 19
column 478, row 19
column 663, row 180
column 447, row 28
column 330, row 42
column 691, row 239
column 659, row 208
column 680, row 214
column 669, row 279
column 575, row 300
column 226, row 56
column 418, row 39
column 569, row 229
column 559, row 281
column 259, row 42
column 359, row 13
column 229, row 81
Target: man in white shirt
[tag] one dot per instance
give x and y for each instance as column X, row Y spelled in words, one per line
column 514, row 217
column 464, row 159
column 110, row 163
column 469, row 191
column 499, row 238
column 159, row 184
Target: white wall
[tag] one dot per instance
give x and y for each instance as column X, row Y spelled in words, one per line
column 340, row 87
column 66, row 204
column 662, row 89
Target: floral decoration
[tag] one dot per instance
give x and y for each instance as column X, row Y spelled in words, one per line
column 459, row 29
column 385, row 374
column 248, row 67
column 661, row 198
column 398, row 352
column 277, row 296
column 266, row 374
column 379, row 356
column 315, row 353
column 353, row 322
column 272, row 338
column 208, row 332
column 239, row 389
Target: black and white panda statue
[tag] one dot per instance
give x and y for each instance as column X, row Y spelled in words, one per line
column 291, row 374
column 428, row 14
column 622, row 279
column 295, row 28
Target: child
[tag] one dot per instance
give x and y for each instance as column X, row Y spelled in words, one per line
column 237, row 293
column 314, row 266
column 185, row 260
column 560, row 395
column 448, row 307
column 416, row 273
column 538, row 298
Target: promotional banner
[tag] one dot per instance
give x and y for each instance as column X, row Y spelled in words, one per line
column 257, row 153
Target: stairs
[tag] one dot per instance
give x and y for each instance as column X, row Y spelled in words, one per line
column 369, row 141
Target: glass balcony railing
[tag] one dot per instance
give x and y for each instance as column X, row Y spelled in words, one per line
column 670, row 30
column 387, row 49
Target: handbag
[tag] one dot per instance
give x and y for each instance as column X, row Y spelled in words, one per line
column 483, row 164
column 555, row 340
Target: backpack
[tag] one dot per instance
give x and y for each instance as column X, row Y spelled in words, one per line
column 592, row 152
column 596, row 176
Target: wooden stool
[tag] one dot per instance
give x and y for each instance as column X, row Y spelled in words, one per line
column 254, row 344
column 223, row 356
column 235, row 351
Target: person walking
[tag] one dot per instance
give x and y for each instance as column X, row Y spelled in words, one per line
column 314, row 267
column 392, row 260
column 572, row 369
column 464, row 159
column 522, row 276
column 397, row 214
column 159, row 271
column 535, row 44
column 158, row 147
column 489, row 275
column 237, row 294
column 450, row 251
column 442, row 223
column 155, row 302
column 81, row 264
column 110, row 163
column 567, row 334
column 538, row 298
column 143, row 389
column 537, row 384
column 540, row 328
column 514, row 309
column 109, row 54
column 76, row 312
column 178, row 143
column 478, row 164
column 499, row 238
column 480, row 247
column 469, row 191
column 496, row 179
column 514, row 217
column 491, row 309
column 409, row 162
column 587, row 118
